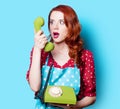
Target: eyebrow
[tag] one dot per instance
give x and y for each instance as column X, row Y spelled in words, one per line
column 54, row 19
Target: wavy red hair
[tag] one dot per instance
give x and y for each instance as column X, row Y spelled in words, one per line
column 73, row 40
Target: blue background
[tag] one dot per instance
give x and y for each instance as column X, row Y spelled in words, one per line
column 100, row 20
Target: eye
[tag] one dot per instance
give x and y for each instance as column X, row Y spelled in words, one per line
column 51, row 21
column 62, row 22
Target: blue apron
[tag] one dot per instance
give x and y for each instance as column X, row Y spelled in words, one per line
column 69, row 76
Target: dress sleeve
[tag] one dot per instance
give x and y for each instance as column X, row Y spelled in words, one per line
column 27, row 75
column 43, row 58
column 88, row 79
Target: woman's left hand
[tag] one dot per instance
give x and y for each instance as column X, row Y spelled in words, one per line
column 61, row 105
column 65, row 106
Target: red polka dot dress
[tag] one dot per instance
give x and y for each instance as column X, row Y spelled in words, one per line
column 87, row 72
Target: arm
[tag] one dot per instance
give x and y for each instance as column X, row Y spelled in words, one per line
column 34, row 74
column 86, row 101
column 87, row 95
column 35, row 69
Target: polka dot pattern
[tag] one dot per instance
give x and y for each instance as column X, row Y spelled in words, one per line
column 62, row 77
column 87, row 72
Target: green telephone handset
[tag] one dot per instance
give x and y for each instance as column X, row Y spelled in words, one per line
column 38, row 23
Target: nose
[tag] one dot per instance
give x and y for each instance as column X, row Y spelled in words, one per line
column 56, row 25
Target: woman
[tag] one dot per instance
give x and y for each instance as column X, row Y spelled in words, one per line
column 68, row 54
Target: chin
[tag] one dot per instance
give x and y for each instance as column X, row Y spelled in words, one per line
column 58, row 41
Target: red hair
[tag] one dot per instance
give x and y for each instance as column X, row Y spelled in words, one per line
column 73, row 40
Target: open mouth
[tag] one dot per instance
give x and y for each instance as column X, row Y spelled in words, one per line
column 55, row 34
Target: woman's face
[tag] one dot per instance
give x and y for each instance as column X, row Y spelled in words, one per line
column 58, row 28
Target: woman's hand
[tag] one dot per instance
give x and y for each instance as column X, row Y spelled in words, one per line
column 40, row 39
column 65, row 106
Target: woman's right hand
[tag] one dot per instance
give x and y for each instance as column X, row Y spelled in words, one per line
column 40, row 39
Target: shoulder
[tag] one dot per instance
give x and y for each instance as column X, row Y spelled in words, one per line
column 86, row 55
column 44, row 54
column 87, row 61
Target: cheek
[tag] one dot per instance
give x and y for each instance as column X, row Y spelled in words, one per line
column 64, row 35
column 51, row 28
column 51, row 31
column 64, row 32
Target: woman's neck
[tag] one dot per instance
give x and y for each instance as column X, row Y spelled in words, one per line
column 60, row 53
column 61, row 48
